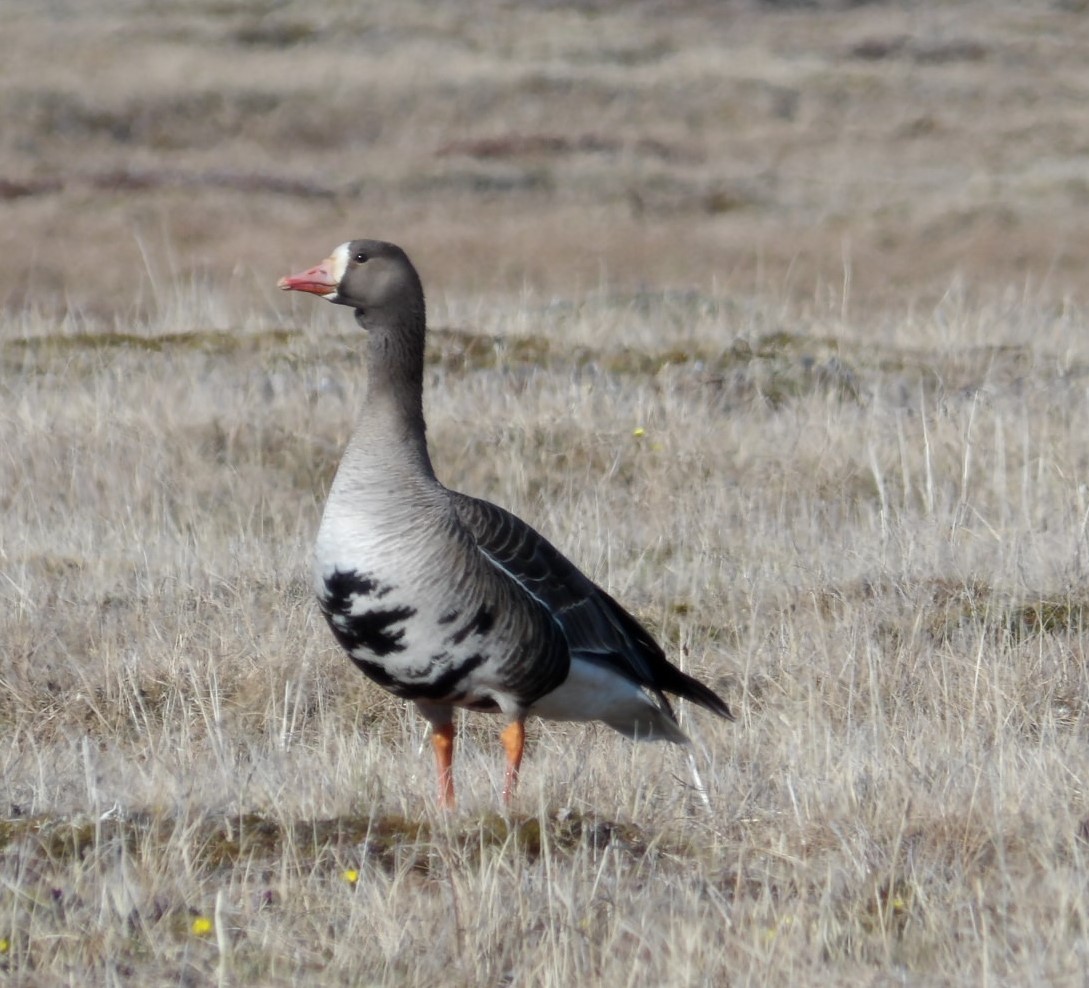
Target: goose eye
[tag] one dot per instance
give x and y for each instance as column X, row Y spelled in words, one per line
column 360, row 258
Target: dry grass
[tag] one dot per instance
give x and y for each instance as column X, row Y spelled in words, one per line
column 854, row 498
column 886, row 579
column 764, row 145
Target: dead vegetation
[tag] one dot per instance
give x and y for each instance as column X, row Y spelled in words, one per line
column 770, row 147
column 886, row 580
column 770, row 315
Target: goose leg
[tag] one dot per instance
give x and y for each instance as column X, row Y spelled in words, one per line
column 514, row 742
column 442, row 740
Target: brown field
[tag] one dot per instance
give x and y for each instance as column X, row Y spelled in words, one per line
column 772, row 316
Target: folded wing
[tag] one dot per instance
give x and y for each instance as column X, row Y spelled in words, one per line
column 597, row 628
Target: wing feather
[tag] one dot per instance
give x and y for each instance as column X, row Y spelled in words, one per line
column 597, row 628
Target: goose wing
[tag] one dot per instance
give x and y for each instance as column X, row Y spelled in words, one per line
column 596, row 627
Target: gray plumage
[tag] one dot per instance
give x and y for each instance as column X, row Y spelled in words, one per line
column 449, row 600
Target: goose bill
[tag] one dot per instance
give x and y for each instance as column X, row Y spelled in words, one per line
column 319, row 280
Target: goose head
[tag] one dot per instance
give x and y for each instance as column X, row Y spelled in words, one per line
column 371, row 276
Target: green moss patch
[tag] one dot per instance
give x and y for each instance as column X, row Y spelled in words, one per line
column 390, row 841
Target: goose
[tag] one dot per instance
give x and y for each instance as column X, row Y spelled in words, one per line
column 446, row 599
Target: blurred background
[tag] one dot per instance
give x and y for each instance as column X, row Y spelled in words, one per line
column 891, row 149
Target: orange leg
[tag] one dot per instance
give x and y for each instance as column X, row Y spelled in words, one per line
column 442, row 740
column 514, row 741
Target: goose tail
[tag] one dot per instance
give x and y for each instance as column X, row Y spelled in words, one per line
column 672, row 680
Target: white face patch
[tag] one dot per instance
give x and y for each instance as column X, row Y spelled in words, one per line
column 338, row 264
